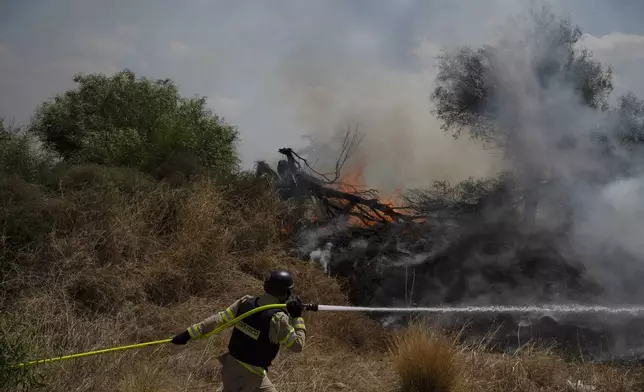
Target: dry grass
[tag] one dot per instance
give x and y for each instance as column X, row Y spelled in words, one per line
column 101, row 257
column 425, row 361
column 106, row 257
column 533, row 368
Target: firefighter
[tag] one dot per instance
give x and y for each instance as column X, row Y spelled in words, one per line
column 256, row 339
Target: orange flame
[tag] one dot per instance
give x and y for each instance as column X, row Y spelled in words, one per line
column 354, row 181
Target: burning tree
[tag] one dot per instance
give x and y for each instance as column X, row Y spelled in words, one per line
column 333, row 194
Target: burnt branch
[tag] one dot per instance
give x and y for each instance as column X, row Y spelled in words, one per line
column 294, row 182
column 366, row 209
column 350, row 144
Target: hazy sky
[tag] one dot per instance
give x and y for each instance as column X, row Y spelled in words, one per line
column 279, row 69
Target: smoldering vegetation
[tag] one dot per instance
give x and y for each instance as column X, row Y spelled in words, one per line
column 560, row 225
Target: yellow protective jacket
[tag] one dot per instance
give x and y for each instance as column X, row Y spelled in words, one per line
column 287, row 331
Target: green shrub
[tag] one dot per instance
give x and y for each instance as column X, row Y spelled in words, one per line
column 19, row 155
column 121, row 120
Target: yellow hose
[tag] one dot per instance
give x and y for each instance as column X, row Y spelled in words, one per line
column 139, row 345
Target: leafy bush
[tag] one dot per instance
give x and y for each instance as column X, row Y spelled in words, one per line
column 19, row 154
column 120, row 120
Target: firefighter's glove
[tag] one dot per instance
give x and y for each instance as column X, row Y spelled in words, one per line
column 295, row 307
column 181, row 338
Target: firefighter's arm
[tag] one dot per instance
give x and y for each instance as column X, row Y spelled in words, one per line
column 207, row 325
column 288, row 332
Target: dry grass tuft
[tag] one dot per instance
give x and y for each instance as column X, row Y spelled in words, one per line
column 426, row 361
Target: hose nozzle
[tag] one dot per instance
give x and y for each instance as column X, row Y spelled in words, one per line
column 311, row 307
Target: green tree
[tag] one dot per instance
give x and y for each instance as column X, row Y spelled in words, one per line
column 123, row 120
column 19, row 154
column 630, row 120
column 470, row 83
column 623, row 143
column 502, row 94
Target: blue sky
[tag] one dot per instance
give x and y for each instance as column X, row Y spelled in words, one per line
column 279, row 69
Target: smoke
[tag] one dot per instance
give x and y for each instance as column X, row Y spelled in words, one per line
column 359, row 78
column 548, row 131
column 403, row 145
column 585, row 243
column 618, row 216
column 609, row 235
column 553, row 136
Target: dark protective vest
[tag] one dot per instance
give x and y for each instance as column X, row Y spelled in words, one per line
column 249, row 342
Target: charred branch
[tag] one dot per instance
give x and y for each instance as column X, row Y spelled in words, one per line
column 293, row 182
column 350, row 143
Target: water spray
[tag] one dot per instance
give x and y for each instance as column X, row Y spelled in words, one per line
column 496, row 309
column 568, row 309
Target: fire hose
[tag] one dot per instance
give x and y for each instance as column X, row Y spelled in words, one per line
column 157, row 342
column 315, row 307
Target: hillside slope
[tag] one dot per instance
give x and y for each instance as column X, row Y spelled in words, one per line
column 99, row 257
column 96, row 257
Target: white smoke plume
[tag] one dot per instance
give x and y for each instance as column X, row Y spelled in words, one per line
column 607, row 225
column 548, row 136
